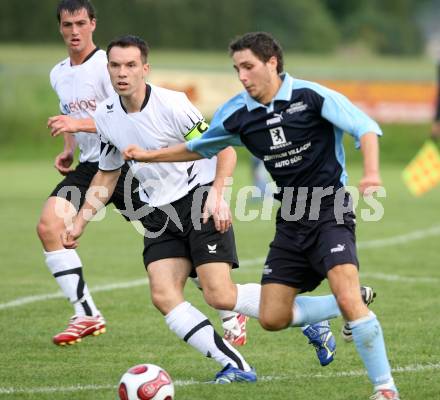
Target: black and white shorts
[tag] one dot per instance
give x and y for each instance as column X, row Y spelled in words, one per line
column 200, row 243
column 303, row 251
column 74, row 186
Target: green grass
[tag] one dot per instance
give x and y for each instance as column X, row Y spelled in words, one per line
column 34, row 368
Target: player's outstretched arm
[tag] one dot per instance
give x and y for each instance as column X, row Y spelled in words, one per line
column 370, row 151
column 100, row 190
column 175, row 153
column 59, row 124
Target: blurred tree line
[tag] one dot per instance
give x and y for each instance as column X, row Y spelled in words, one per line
column 384, row 26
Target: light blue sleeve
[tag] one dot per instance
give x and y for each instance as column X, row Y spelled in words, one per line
column 343, row 114
column 217, row 137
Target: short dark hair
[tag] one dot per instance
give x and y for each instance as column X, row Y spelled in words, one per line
column 72, row 6
column 262, row 44
column 130, row 41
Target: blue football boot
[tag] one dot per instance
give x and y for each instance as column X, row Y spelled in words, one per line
column 321, row 337
column 231, row 374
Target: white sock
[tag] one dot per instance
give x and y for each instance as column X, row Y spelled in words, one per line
column 306, row 309
column 193, row 327
column 248, row 299
column 66, row 267
column 226, row 315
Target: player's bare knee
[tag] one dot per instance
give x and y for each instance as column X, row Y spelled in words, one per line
column 161, row 302
column 219, row 299
column 347, row 302
column 274, row 324
column 48, row 231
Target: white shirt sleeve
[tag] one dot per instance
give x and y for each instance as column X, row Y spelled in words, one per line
column 110, row 158
column 187, row 119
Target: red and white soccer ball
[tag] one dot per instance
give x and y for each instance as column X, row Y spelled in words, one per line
column 146, row 382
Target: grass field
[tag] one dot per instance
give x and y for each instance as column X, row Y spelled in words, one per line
column 399, row 258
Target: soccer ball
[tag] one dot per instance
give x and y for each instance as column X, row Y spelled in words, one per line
column 146, row 382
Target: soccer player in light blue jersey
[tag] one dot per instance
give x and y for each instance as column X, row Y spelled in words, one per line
column 296, row 127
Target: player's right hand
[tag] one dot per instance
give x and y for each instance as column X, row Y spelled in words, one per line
column 63, row 162
column 59, row 124
column 369, row 184
column 133, row 152
column 69, row 238
column 217, row 207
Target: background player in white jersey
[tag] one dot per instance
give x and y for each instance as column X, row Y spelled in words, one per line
column 80, row 86
column 81, row 82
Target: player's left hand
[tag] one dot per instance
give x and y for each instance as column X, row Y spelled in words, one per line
column 63, row 162
column 369, row 183
column 133, row 152
column 217, row 207
column 62, row 124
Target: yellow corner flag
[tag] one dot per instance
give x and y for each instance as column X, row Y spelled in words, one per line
column 423, row 172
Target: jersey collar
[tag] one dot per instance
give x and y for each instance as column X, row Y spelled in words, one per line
column 144, row 103
column 284, row 93
column 88, row 57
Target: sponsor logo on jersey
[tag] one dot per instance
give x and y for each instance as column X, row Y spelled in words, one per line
column 297, row 107
column 276, row 119
column 109, row 108
column 338, row 248
column 79, row 105
column 278, row 136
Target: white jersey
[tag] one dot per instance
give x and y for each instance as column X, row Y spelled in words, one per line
column 166, row 118
column 80, row 89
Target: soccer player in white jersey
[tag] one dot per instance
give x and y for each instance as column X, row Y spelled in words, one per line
column 81, row 82
column 81, row 85
column 156, row 117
